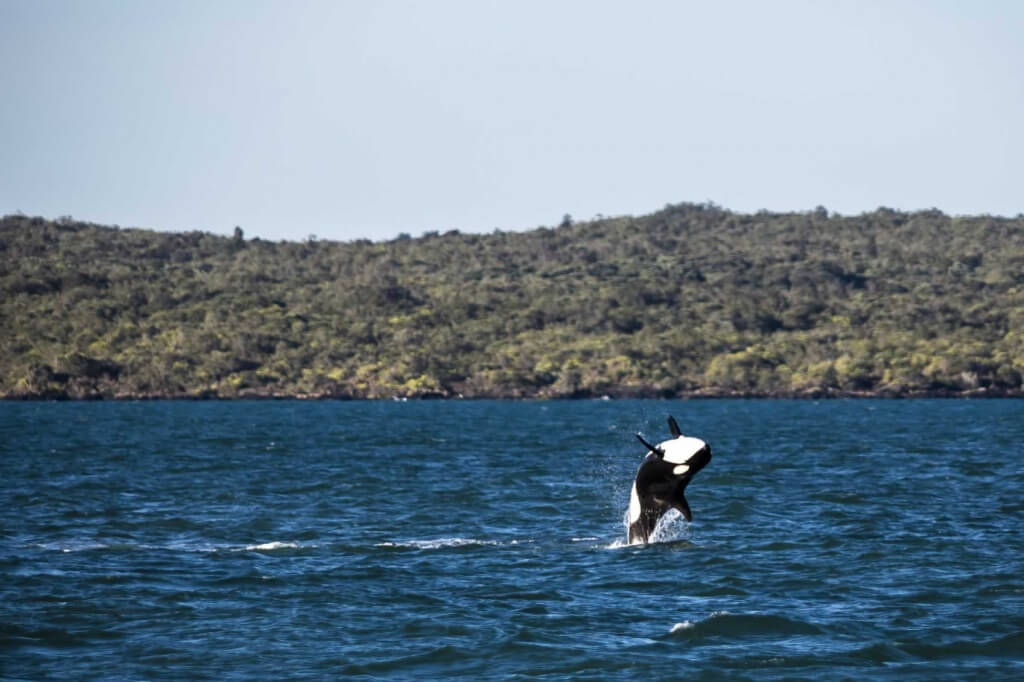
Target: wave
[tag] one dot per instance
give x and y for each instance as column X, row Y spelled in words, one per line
column 445, row 543
column 1009, row 646
column 271, row 546
column 75, row 546
column 673, row 532
column 725, row 624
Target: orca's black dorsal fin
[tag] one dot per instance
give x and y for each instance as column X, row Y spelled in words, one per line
column 673, row 427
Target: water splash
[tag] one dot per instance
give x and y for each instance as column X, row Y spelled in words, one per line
column 672, row 527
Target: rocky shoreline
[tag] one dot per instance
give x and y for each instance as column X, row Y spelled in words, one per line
column 650, row 393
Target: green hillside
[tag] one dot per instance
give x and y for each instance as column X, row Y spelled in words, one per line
column 691, row 300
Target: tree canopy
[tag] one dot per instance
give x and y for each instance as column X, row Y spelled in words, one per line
column 691, row 300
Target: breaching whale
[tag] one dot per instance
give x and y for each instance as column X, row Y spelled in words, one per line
column 662, row 479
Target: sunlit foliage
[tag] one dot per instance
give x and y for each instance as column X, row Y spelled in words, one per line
column 691, row 300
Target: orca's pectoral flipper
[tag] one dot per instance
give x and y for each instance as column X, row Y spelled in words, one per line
column 653, row 448
column 673, row 427
column 678, row 501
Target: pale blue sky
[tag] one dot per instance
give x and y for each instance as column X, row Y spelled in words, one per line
column 371, row 118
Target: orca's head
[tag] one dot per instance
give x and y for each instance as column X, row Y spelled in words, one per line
column 686, row 454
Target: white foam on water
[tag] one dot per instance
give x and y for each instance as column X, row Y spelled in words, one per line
column 68, row 547
column 441, row 543
column 271, row 546
column 254, row 547
column 80, row 547
column 689, row 624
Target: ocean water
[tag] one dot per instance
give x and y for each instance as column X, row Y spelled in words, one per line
column 484, row 540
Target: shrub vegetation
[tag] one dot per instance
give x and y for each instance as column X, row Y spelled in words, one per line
column 690, row 300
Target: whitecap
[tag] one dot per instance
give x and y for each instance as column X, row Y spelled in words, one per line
column 206, row 548
column 270, row 546
column 685, row 625
column 437, row 543
column 442, row 543
column 71, row 546
column 255, row 547
column 84, row 548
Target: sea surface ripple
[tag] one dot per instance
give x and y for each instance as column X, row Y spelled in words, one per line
column 859, row 539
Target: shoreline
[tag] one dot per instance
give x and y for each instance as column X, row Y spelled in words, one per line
column 818, row 394
column 690, row 302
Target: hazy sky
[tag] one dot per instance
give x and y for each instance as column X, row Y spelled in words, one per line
column 370, row 118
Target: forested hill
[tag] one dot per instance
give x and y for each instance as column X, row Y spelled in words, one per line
column 691, row 300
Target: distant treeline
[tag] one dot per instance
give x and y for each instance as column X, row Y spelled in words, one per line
column 691, row 300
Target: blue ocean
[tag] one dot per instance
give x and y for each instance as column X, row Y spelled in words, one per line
column 860, row 539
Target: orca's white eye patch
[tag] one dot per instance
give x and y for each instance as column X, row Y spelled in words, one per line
column 680, row 469
column 680, row 450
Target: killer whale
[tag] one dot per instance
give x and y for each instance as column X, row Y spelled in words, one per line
column 661, row 481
